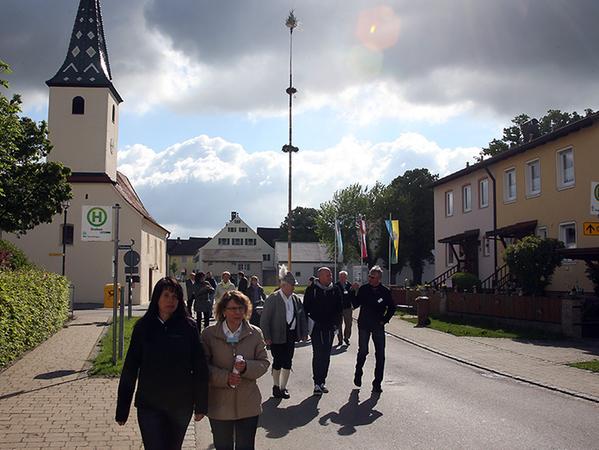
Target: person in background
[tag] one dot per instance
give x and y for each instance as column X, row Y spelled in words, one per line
column 283, row 323
column 256, row 294
column 189, row 291
column 236, row 355
column 376, row 310
column 242, row 282
column 323, row 303
column 203, row 304
column 225, row 285
column 210, row 279
column 345, row 322
column 166, row 356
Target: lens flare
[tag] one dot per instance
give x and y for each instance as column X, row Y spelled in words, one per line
column 378, row 28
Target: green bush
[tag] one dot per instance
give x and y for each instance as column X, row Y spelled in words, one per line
column 12, row 258
column 33, row 306
column 464, row 281
column 532, row 261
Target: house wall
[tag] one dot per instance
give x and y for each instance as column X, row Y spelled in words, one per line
column 89, row 264
column 555, row 205
column 477, row 217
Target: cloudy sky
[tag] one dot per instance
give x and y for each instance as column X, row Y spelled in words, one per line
column 383, row 87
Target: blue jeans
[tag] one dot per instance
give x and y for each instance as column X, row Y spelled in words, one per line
column 378, row 337
column 163, row 430
column 322, row 342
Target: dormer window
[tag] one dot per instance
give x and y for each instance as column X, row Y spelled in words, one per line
column 78, row 105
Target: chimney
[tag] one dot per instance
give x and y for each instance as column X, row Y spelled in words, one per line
column 233, row 215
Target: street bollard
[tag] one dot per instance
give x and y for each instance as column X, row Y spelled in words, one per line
column 422, row 308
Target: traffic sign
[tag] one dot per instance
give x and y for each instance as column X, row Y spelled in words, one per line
column 590, row 228
column 130, row 269
column 131, row 258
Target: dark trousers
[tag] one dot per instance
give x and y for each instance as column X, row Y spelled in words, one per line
column 239, row 434
column 205, row 319
column 162, row 430
column 378, row 337
column 282, row 354
column 322, row 342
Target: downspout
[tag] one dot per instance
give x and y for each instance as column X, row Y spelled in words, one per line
column 494, row 223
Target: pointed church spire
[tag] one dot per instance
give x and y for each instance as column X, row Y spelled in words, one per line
column 86, row 63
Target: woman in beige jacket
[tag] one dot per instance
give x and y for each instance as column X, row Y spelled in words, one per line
column 237, row 357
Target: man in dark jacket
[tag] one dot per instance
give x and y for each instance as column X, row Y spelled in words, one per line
column 323, row 303
column 189, row 290
column 242, row 283
column 345, row 322
column 376, row 310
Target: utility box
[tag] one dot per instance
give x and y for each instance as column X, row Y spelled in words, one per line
column 109, row 294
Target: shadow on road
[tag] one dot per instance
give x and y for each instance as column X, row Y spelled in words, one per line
column 278, row 422
column 353, row 414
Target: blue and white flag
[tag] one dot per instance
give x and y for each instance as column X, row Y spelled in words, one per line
column 339, row 239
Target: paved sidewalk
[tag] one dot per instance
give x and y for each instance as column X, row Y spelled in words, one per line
column 47, row 399
column 541, row 362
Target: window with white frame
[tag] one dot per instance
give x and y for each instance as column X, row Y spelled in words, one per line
column 243, row 229
column 250, row 241
column 467, row 198
column 509, row 182
column 265, row 257
column 449, row 257
column 483, row 193
column 232, row 229
column 541, row 232
column 533, row 178
column 237, row 241
column 565, row 168
column 567, row 234
column 486, row 246
column 223, row 241
column 449, row 203
column 243, row 266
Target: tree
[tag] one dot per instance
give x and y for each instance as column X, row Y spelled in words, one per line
column 31, row 188
column 514, row 135
column 303, row 227
column 346, row 205
column 532, row 262
column 410, row 200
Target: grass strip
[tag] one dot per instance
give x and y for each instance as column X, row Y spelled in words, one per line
column 474, row 327
column 592, row 365
column 102, row 364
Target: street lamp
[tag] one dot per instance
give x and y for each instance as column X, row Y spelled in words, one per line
column 291, row 23
column 65, row 207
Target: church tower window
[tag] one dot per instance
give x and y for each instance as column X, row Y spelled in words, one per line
column 78, row 105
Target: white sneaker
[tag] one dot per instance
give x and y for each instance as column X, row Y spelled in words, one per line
column 324, row 389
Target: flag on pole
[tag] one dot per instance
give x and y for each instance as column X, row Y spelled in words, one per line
column 339, row 239
column 393, row 230
column 362, row 235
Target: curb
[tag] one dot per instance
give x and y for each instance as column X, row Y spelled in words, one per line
column 498, row 372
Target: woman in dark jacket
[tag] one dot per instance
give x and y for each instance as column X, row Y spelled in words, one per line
column 166, row 355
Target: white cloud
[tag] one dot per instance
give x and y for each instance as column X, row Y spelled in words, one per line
column 193, row 185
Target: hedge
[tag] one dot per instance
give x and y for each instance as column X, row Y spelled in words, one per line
column 33, row 306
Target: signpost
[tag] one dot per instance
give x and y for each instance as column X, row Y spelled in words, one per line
column 595, row 198
column 590, row 228
column 96, row 223
column 131, row 259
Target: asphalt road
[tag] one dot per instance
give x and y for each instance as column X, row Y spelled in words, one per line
column 428, row 402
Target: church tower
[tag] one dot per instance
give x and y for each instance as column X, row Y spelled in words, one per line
column 83, row 108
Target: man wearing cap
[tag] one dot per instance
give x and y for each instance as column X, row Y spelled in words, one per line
column 376, row 310
column 323, row 302
column 283, row 323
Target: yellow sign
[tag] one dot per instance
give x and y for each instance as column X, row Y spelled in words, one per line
column 55, row 254
column 590, row 228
